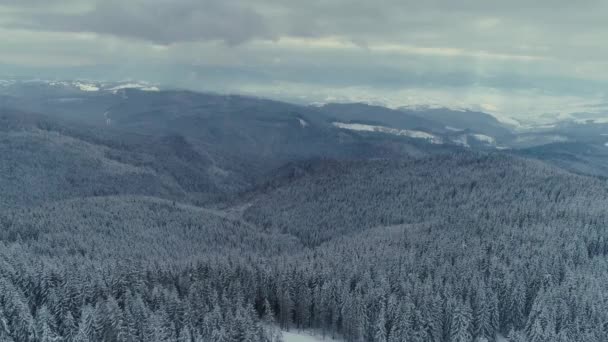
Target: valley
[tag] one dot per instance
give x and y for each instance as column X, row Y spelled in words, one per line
column 200, row 217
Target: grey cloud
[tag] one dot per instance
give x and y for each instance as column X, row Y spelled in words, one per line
column 158, row 21
column 550, row 48
column 501, row 26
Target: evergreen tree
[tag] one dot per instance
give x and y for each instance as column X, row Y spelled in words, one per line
column 460, row 330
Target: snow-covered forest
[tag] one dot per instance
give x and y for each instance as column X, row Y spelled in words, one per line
column 185, row 226
column 303, row 171
column 448, row 248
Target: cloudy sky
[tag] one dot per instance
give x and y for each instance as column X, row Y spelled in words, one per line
column 519, row 58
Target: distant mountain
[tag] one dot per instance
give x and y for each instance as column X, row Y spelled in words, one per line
column 248, row 136
column 41, row 88
column 382, row 116
column 456, row 120
column 569, row 131
column 80, row 100
column 45, row 159
column 262, row 134
column 168, row 144
column 590, row 131
column 578, row 157
column 133, row 214
column 418, row 125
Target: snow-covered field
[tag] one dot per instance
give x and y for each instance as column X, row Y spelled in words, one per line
column 305, row 337
column 308, row 337
column 403, row 132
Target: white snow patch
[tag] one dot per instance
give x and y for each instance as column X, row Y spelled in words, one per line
column 606, row 144
column 454, row 129
column 356, row 127
column 303, row 123
column 152, row 88
column 549, row 138
column 67, row 100
column 305, row 337
column 531, row 126
column 462, row 140
column 484, row 138
column 381, row 129
column 86, row 86
column 139, row 86
column 507, row 120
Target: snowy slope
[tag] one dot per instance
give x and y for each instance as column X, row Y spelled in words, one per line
column 305, row 337
column 387, row 130
column 82, row 85
column 140, row 86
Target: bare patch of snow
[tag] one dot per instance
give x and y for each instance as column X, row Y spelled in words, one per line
column 507, row 120
column 549, row 138
column 305, row 337
column 67, row 100
column 462, row 140
column 151, row 88
column 387, row 130
column 542, row 126
column 454, row 129
column 431, row 106
column 303, row 123
column 86, row 86
column 484, row 138
column 356, row 127
column 139, row 86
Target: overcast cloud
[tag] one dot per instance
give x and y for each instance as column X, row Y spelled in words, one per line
column 514, row 57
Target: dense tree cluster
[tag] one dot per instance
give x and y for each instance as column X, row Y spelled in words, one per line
column 130, row 269
column 447, row 248
column 461, row 249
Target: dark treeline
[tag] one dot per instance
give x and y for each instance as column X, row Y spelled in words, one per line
column 446, row 248
column 129, row 269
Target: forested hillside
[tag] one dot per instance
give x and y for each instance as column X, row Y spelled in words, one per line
column 45, row 160
column 444, row 248
column 207, row 218
column 195, row 156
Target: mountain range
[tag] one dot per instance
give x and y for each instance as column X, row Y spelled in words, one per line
column 266, row 133
column 130, row 212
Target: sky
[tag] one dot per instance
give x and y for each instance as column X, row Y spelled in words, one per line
column 519, row 58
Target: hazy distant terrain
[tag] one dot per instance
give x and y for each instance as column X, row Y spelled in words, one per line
column 132, row 213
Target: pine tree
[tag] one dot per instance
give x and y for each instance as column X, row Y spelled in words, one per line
column 285, row 309
column 536, row 332
column 515, row 336
column 45, row 325
column 70, row 329
column 219, row 335
column 86, row 325
column 483, row 325
column 268, row 313
column 117, row 328
column 185, row 335
column 380, row 326
column 460, row 330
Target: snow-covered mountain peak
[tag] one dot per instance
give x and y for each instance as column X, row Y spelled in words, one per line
column 86, row 86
